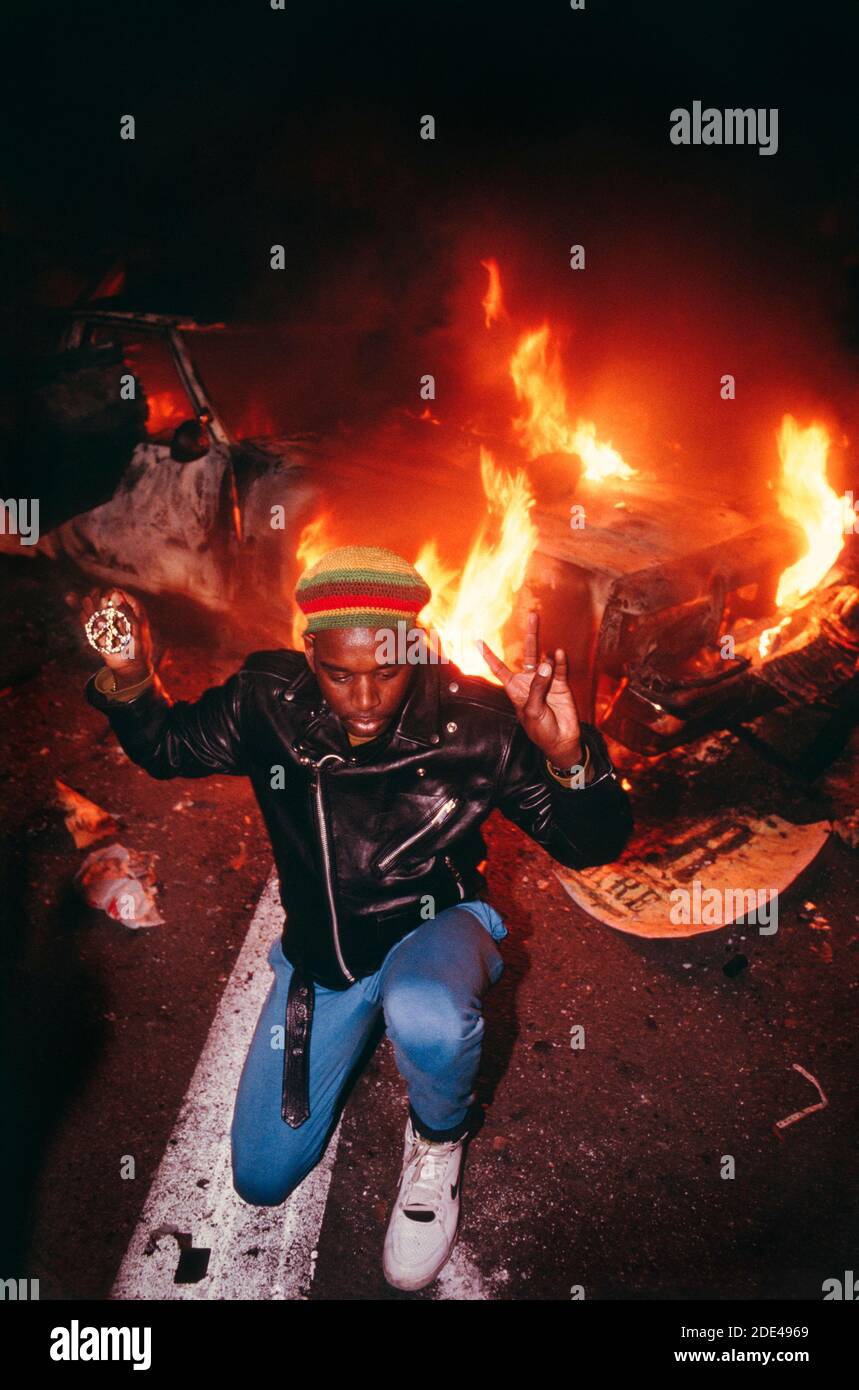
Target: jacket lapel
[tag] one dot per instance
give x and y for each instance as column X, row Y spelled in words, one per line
column 419, row 717
column 319, row 731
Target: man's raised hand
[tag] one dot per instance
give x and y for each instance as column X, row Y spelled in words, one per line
column 542, row 696
column 135, row 661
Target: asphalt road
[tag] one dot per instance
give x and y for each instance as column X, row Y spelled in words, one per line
column 598, row 1168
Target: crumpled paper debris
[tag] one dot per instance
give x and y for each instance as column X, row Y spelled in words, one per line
column 122, row 884
column 85, row 821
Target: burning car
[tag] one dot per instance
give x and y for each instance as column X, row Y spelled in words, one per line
column 669, row 636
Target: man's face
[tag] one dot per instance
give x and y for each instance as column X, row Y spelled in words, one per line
column 364, row 693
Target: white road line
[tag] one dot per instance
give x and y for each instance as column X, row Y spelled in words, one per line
column 256, row 1252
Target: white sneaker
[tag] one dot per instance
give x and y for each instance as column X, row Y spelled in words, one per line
column 423, row 1224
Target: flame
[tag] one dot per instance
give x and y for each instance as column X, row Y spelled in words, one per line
column 600, row 459
column 769, row 635
column 537, row 382
column 166, row 411
column 492, row 302
column 544, row 427
column 314, row 542
column 479, row 602
column 426, row 416
column 804, row 496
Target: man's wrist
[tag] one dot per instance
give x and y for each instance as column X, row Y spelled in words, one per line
column 569, row 756
column 572, row 773
column 126, row 678
column 108, row 684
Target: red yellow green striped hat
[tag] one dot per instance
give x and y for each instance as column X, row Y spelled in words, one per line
column 360, row 586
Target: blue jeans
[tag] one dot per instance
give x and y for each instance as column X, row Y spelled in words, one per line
column 429, row 988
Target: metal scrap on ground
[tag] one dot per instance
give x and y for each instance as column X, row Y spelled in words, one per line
column 809, row 1109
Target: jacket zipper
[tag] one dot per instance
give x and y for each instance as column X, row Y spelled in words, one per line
column 435, row 819
column 326, row 858
column 457, row 876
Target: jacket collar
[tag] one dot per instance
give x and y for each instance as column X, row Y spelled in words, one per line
column 419, row 717
column 320, row 731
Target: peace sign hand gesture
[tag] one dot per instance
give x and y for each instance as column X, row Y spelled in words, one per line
column 543, row 699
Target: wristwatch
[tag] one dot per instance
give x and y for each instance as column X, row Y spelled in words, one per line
column 569, row 772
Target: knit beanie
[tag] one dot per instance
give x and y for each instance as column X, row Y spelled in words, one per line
column 360, row 586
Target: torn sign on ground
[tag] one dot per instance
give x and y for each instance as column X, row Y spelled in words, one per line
column 717, row 862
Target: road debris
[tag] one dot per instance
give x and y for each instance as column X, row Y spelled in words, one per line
column 809, row 1109
column 122, row 884
column 85, row 821
column 735, row 965
column 661, row 883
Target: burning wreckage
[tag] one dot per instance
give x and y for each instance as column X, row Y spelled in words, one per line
column 670, row 638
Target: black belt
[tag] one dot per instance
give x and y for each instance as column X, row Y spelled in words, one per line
column 295, row 1099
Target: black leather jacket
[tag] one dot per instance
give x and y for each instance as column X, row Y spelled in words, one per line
column 363, row 835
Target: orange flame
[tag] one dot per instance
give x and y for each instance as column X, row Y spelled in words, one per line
column 769, row 635
column 166, row 411
column 314, row 542
column 544, row 427
column 492, row 302
column 804, row 496
column 478, row 603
